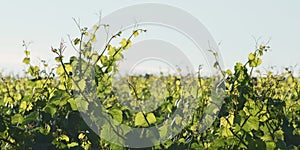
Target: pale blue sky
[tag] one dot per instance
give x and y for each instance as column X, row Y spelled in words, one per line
column 234, row 23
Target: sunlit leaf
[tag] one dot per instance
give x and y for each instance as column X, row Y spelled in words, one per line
column 73, row 144
column 151, row 118
column 251, row 56
column 26, row 60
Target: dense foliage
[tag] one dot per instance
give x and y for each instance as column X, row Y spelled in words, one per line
column 40, row 111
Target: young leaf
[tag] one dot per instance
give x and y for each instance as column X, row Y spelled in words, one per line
column 76, row 41
column 135, row 33
column 27, row 53
column 251, row 56
column 64, row 138
column 73, row 144
column 26, row 60
column 93, row 37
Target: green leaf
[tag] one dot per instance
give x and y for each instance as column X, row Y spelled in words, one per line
column 252, row 124
column 29, row 107
column 125, row 43
column 33, row 116
column 63, row 102
column 225, row 132
column 181, row 140
column 109, row 135
column 72, row 104
column 82, row 105
column 193, row 128
column 60, row 70
column 270, row 145
column 76, row 41
column 50, row 109
column 140, row 120
column 279, row 134
column 104, row 60
column 64, row 138
column 93, row 37
column 290, row 79
column 81, row 84
column 151, row 118
column 27, row 53
column 267, row 137
column 259, row 61
column 81, row 136
column 163, row 131
column 117, row 114
column 177, row 82
column 197, row 146
column 95, row 27
column 178, row 120
column 263, row 118
column 68, row 68
column 229, row 72
column 169, row 107
column 57, row 59
column 17, row 118
column 111, row 50
column 73, row 144
column 45, row 130
column 216, row 64
column 26, row 60
column 23, row 106
column 168, row 144
column 135, row 33
column 17, row 96
column 95, row 57
column 251, row 56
